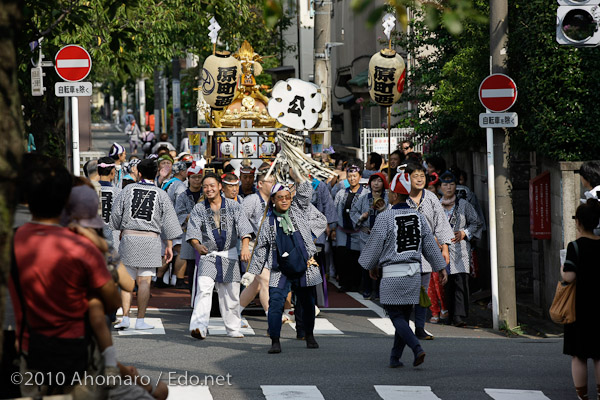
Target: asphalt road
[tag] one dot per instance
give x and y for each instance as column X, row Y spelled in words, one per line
column 460, row 363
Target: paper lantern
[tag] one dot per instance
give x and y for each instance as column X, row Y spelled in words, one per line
column 220, row 74
column 226, row 148
column 268, row 148
column 249, row 148
column 386, row 77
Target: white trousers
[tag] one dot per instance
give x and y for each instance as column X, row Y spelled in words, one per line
column 229, row 304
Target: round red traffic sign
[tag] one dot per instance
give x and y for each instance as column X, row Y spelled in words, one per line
column 498, row 92
column 72, row 63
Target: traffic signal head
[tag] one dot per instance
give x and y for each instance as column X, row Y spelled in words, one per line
column 577, row 23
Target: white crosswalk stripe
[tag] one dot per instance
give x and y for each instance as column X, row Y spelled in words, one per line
column 513, row 394
column 386, row 325
column 393, row 392
column 276, row 392
column 216, row 326
column 385, row 392
column 159, row 329
column 322, row 327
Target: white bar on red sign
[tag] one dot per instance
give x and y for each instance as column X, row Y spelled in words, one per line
column 74, row 63
column 487, row 93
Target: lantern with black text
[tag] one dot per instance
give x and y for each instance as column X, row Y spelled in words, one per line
column 220, row 74
column 386, row 77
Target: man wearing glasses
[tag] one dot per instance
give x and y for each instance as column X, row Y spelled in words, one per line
column 406, row 147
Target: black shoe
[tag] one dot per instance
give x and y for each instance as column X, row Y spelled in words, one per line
column 300, row 335
column 160, row 284
column 421, row 334
column 275, row 347
column 180, row 284
column 458, row 322
column 419, row 358
column 395, row 362
column 311, row 343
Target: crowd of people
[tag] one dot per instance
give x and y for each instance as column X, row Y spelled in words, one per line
column 164, row 217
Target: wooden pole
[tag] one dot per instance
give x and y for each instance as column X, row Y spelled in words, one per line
column 389, row 128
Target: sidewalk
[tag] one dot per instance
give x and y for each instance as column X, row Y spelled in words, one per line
column 105, row 134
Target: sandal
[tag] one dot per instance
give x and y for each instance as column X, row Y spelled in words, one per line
column 434, row 320
column 444, row 314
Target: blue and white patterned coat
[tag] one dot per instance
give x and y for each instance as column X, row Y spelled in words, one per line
column 234, row 226
column 363, row 205
column 465, row 219
column 434, row 213
column 144, row 207
column 306, row 220
column 400, row 236
column 108, row 195
column 184, row 204
column 322, row 200
column 344, row 238
column 175, row 189
column 254, row 208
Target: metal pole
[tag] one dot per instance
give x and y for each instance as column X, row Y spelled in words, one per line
column 75, row 123
column 492, row 224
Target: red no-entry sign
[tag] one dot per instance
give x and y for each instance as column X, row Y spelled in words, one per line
column 498, row 92
column 72, row 63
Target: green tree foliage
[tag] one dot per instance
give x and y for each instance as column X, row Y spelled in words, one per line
column 558, row 100
column 128, row 40
column 443, row 80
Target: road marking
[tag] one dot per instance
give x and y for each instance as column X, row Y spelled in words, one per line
column 487, row 93
column 288, row 392
column 391, row 392
column 386, row 325
column 159, row 329
column 195, row 392
column 216, row 326
column 367, row 303
column 322, row 327
column 73, row 63
column 512, row 394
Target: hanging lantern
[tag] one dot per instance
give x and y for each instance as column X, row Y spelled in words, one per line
column 268, row 148
column 220, row 74
column 386, row 77
column 226, row 148
column 249, row 148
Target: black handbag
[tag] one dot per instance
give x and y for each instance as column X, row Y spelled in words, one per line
column 50, row 355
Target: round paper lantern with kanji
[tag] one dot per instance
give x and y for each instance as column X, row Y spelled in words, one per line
column 226, row 148
column 249, row 148
column 268, row 148
column 386, row 77
column 220, row 74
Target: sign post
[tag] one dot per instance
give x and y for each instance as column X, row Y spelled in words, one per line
column 73, row 64
column 497, row 93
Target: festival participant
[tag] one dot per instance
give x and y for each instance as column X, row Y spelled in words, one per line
column 347, row 237
column 398, row 240
column 119, row 155
column 173, row 187
column 214, row 227
column 427, row 204
column 131, row 171
column 466, row 226
column 184, row 204
column 108, row 194
column 231, row 187
column 142, row 212
column 254, row 207
column 286, row 247
column 165, row 170
column 363, row 214
column 247, row 177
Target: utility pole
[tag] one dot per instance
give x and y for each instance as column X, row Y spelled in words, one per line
column 157, row 100
column 507, row 302
column 176, row 99
column 322, row 64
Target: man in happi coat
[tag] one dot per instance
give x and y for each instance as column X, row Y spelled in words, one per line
column 184, row 204
column 398, row 240
column 285, row 247
column 214, row 228
column 108, row 194
column 143, row 212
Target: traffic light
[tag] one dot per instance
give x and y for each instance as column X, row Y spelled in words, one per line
column 577, row 23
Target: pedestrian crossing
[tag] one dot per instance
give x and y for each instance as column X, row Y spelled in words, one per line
column 217, row 327
column 385, row 392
